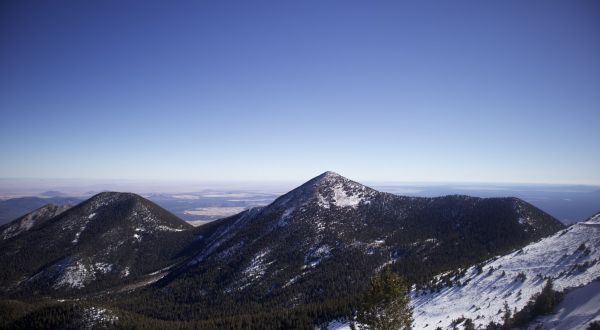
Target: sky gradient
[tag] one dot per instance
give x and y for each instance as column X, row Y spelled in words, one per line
column 469, row 91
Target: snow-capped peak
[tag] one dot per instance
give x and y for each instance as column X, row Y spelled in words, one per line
column 329, row 175
column 328, row 189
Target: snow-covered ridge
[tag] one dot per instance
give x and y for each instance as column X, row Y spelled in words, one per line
column 31, row 219
column 571, row 258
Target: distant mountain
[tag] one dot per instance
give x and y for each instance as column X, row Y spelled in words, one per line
column 106, row 241
column 322, row 241
column 13, row 208
column 53, row 193
column 31, row 220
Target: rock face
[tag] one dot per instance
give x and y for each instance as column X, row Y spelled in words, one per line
column 110, row 239
column 324, row 239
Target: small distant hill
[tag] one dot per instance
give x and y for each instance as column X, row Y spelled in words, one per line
column 13, row 208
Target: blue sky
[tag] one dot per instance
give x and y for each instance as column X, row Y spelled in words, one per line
column 283, row 90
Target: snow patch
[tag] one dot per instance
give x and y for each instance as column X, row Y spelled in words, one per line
column 98, row 316
column 167, row 228
column 103, row 267
column 257, row 266
column 342, row 198
column 125, row 272
column 314, row 257
column 75, row 275
column 283, row 220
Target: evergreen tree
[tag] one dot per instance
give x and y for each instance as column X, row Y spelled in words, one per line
column 387, row 304
column 469, row 325
column 507, row 317
column 546, row 300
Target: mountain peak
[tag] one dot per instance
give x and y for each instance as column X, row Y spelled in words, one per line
column 330, row 178
column 330, row 175
column 110, row 238
column 133, row 208
column 327, row 189
column 114, row 195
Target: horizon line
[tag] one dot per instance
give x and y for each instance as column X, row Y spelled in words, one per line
column 292, row 181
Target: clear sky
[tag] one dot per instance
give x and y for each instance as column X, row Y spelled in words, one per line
column 503, row 91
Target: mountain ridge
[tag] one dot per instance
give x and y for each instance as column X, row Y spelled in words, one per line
column 312, row 250
column 100, row 241
column 336, row 231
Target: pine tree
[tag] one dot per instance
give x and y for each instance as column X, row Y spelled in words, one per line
column 546, row 300
column 387, row 304
column 469, row 325
column 507, row 317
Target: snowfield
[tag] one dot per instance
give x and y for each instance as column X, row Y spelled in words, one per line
column 570, row 257
column 578, row 308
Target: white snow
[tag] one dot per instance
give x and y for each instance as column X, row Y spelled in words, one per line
column 294, row 279
column 344, row 199
column 137, row 237
column 77, row 234
column 327, row 190
column 167, row 228
column 316, row 255
column 257, row 266
column 82, row 227
column 125, row 272
column 254, row 271
column 103, row 267
column 482, row 295
column 283, row 220
column 578, row 308
column 343, row 193
column 29, row 220
column 338, row 325
column 75, row 275
column 97, row 316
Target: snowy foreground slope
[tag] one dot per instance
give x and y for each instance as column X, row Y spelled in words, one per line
column 483, row 289
column 578, row 308
column 570, row 257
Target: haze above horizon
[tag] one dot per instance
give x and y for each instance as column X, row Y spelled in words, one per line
column 463, row 91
